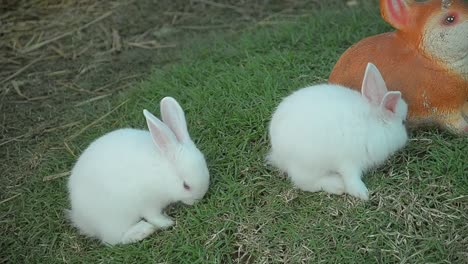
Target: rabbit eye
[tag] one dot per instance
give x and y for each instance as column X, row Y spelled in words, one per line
column 186, row 187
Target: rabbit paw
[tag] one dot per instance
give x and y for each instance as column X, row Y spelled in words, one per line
column 359, row 190
column 332, row 184
column 138, row 232
column 353, row 182
column 160, row 220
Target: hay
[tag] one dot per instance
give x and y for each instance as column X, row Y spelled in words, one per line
column 60, row 57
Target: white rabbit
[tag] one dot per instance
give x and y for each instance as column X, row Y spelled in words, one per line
column 325, row 136
column 123, row 180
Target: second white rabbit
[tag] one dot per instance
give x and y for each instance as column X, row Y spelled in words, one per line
column 325, row 136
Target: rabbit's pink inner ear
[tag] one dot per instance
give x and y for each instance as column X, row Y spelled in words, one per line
column 373, row 85
column 161, row 135
column 158, row 137
column 396, row 12
column 390, row 101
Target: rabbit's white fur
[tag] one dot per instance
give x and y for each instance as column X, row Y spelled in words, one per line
column 122, row 182
column 325, row 136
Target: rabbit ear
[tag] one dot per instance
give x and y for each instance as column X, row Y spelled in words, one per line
column 390, row 101
column 396, row 12
column 161, row 134
column 173, row 115
column 373, row 85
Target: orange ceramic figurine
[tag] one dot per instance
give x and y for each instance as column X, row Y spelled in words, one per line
column 426, row 58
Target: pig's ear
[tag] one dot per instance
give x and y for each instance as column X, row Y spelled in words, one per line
column 396, row 12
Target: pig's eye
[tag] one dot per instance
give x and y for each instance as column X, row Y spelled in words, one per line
column 186, row 187
column 450, row 19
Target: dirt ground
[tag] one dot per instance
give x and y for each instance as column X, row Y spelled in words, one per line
column 58, row 56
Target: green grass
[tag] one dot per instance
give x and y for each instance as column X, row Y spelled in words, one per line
column 229, row 87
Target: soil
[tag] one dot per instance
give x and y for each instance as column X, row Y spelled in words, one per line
column 57, row 57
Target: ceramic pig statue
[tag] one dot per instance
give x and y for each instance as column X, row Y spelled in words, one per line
column 426, row 58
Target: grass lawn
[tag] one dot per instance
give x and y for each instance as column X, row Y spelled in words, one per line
column 229, row 86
